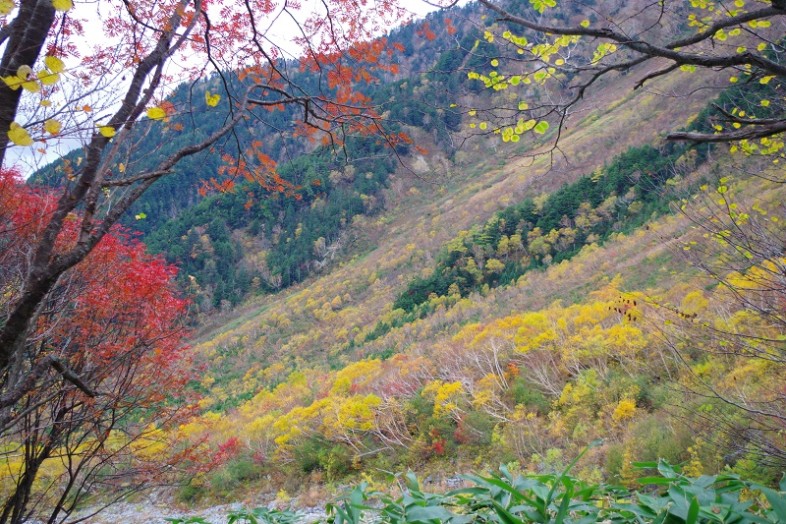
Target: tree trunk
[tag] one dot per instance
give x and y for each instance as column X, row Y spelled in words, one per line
column 23, row 48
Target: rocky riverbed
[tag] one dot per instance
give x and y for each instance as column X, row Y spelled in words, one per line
column 156, row 507
column 147, row 513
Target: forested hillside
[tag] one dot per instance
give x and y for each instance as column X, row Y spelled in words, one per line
column 515, row 310
column 565, row 253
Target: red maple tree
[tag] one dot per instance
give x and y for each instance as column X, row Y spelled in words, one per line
column 103, row 373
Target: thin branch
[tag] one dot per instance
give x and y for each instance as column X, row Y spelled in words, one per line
column 655, row 74
column 71, row 376
column 649, row 49
column 750, row 133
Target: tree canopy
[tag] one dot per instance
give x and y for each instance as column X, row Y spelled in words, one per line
column 102, row 373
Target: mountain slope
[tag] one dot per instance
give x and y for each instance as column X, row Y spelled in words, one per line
column 530, row 371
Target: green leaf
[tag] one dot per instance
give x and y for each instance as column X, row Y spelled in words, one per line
column 777, row 501
column 504, row 486
column 693, row 511
column 412, row 482
column 563, row 508
column 506, row 516
column 467, row 491
column 667, row 470
column 653, row 480
column 541, row 127
column 652, row 504
column 428, row 514
column 646, row 465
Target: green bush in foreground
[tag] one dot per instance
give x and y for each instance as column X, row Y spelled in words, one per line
column 255, row 516
column 668, row 497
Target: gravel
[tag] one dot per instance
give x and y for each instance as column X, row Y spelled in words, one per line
column 146, row 513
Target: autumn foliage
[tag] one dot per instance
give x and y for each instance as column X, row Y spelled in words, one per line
column 90, row 337
column 103, row 372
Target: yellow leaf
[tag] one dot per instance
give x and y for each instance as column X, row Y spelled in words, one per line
column 54, row 64
column 48, row 78
column 156, row 113
column 121, row 167
column 62, row 5
column 12, row 82
column 46, row 102
column 19, row 135
column 53, row 127
column 212, row 100
column 6, row 6
column 765, row 103
column 585, row 23
column 107, row 131
column 31, row 86
column 23, row 72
